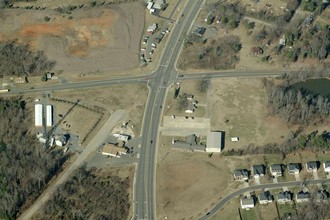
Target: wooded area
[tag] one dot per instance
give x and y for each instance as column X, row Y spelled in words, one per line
column 25, row 168
column 297, row 106
column 18, row 59
column 90, row 194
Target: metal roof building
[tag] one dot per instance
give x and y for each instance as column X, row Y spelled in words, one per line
column 214, row 142
column 49, row 115
column 38, row 115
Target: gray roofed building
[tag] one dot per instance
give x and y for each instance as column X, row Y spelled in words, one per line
column 258, row 170
column 284, row 197
column 189, row 144
column 241, row 175
column 214, row 141
column 247, row 202
column 311, row 166
column 276, row 169
column 294, row 168
column 302, row 196
column 265, row 197
column 199, row 31
column 159, row 4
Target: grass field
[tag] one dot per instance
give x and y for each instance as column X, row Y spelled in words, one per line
column 287, row 209
column 248, row 214
column 230, row 211
column 267, row 212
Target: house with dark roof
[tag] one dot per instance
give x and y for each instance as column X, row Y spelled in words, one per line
column 199, row 31
column 258, row 170
column 241, row 175
column 276, row 169
column 326, row 166
column 312, row 166
column 284, row 197
column 294, row 168
column 302, row 197
column 247, row 203
column 322, row 196
column 265, row 197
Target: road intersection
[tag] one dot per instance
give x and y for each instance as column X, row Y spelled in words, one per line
column 158, row 82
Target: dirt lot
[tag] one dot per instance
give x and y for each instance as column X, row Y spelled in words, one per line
column 85, row 41
column 188, row 184
column 112, row 99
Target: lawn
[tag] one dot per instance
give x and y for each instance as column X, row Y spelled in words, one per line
column 287, row 209
column 248, row 214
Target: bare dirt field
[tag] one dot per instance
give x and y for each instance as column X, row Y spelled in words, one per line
column 87, row 40
column 128, row 97
column 189, row 184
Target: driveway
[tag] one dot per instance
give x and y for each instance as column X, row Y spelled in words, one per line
column 315, row 176
column 297, row 177
column 257, row 180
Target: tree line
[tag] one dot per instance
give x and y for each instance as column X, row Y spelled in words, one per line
column 90, row 194
column 17, row 59
column 25, row 168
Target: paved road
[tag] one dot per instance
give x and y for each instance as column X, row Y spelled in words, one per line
column 225, row 200
column 98, row 139
column 144, row 207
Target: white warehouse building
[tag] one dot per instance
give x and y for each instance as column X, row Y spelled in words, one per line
column 49, row 115
column 38, row 115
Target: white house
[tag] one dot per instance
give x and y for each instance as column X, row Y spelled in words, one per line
column 326, row 166
column 247, row 203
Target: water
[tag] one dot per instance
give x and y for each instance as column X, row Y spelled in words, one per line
column 315, row 87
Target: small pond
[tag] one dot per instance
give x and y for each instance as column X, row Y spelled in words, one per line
column 315, row 86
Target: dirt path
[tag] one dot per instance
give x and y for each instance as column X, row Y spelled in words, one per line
column 64, row 176
column 259, row 21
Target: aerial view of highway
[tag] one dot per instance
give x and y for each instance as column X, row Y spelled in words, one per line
column 155, row 109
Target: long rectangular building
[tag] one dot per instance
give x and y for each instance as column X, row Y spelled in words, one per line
column 38, row 115
column 49, row 115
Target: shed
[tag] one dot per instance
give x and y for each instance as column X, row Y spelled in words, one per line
column 49, row 115
column 214, row 141
column 38, row 115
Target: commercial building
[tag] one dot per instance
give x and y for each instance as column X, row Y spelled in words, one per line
column 38, row 115
column 49, row 115
column 214, row 142
column 113, row 150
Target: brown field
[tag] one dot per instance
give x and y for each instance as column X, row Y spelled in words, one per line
column 229, row 211
column 112, row 99
column 189, row 184
column 86, row 41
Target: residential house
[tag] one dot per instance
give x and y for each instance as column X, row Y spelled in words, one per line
column 247, row 203
column 294, row 168
column 199, row 31
column 312, row 166
column 241, row 175
column 284, row 197
column 326, row 166
column 256, row 51
column 265, row 197
column 302, row 197
column 258, row 170
column 276, row 169
column 113, row 150
column 322, row 196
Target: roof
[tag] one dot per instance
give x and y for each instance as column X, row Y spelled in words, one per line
column 259, row 169
column 276, row 167
column 38, row 114
column 159, row 4
column 190, row 107
column 214, row 140
column 191, row 139
column 183, row 145
column 303, row 195
column 256, row 50
column 247, row 201
column 199, row 31
column 265, row 196
column 284, row 196
column 311, row 165
column 113, row 149
column 242, row 172
column 198, row 147
column 294, row 166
